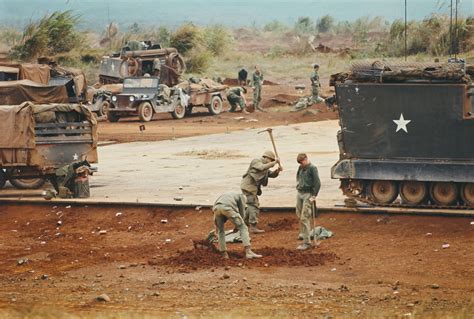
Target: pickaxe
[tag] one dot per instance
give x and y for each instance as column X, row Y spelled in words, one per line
column 269, row 130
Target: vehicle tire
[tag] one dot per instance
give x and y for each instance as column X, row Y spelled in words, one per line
column 467, row 194
column 383, row 192
column 215, row 107
column 413, row 192
column 104, row 108
column 145, row 112
column 27, row 183
column 113, row 117
column 3, row 178
column 179, row 111
column 443, row 193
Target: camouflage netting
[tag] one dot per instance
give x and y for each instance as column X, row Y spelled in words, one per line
column 387, row 72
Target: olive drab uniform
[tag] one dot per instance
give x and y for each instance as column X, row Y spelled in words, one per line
column 234, row 96
column 230, row 206
column 256, row 176
column 308, row 185
column 315, row 87
column 257, row 82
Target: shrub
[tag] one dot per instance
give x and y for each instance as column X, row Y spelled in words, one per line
column 217, row 39
column 304, row 25
column 198, row 60
column 275, row 26
column 325, row 24
column 186, row 38
column 52, row 34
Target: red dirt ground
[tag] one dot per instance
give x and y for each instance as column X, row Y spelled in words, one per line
column 374, row 266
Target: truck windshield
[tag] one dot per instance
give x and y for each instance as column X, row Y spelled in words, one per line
column 140, row 83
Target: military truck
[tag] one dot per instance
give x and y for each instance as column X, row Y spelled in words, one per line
column 406, row 132
column 140, row 58
column 36, row 140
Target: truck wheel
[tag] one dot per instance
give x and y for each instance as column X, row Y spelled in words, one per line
column 215, row 108
column 145, row 112
column 104, row 108
column 27, row 183
column 3, row 178
column 113, row 117
column 179, row 111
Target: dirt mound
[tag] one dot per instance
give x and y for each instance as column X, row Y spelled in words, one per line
column 282, row 224
column 205, row 255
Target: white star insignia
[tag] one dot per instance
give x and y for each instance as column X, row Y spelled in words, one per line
column 75, row 157
column 401, row 124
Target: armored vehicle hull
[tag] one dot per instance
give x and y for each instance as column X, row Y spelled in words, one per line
column 411, row 141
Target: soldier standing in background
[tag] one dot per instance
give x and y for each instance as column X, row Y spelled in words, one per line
column 316, row 85
column 257, row 82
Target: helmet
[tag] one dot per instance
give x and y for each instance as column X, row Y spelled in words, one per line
column 269, row 154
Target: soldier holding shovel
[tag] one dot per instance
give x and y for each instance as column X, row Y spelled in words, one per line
column 308, row 185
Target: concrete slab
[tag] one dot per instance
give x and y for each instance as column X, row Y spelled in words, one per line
column 198, row 169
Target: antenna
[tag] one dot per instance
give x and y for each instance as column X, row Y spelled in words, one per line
column 456, row 38
column 405, row 30
column 451, row 29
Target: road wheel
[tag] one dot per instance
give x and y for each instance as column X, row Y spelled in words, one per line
column 27, row 183
column 179, row 111
column 3, row 178
column 383, row 192
column 104, row 108
column 215, row 108
column 467, row 193
column 413, row 192
column 443, row 193
column 352, row 187
column 145, row 112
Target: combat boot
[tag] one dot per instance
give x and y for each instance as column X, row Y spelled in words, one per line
column 304, row 246
column 255, row 230
column 260, row 109
column 249, row 254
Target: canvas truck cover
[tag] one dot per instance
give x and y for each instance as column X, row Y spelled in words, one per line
column 39, row 73
column 18, row 127
column 17, row 92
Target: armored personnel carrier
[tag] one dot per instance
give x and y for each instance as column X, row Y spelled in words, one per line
column 406, row 136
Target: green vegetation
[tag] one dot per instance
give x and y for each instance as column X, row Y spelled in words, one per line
column 53, row 34
column 281, row 49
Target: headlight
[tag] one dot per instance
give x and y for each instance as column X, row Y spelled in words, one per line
column 114, row 98
column 131, row 98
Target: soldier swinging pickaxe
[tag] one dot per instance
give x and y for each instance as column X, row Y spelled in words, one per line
column 269, row 130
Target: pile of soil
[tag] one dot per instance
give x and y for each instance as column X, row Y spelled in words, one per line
column 205, row 255
column 282, row 224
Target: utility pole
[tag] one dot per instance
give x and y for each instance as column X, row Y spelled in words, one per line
column 406, row 29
